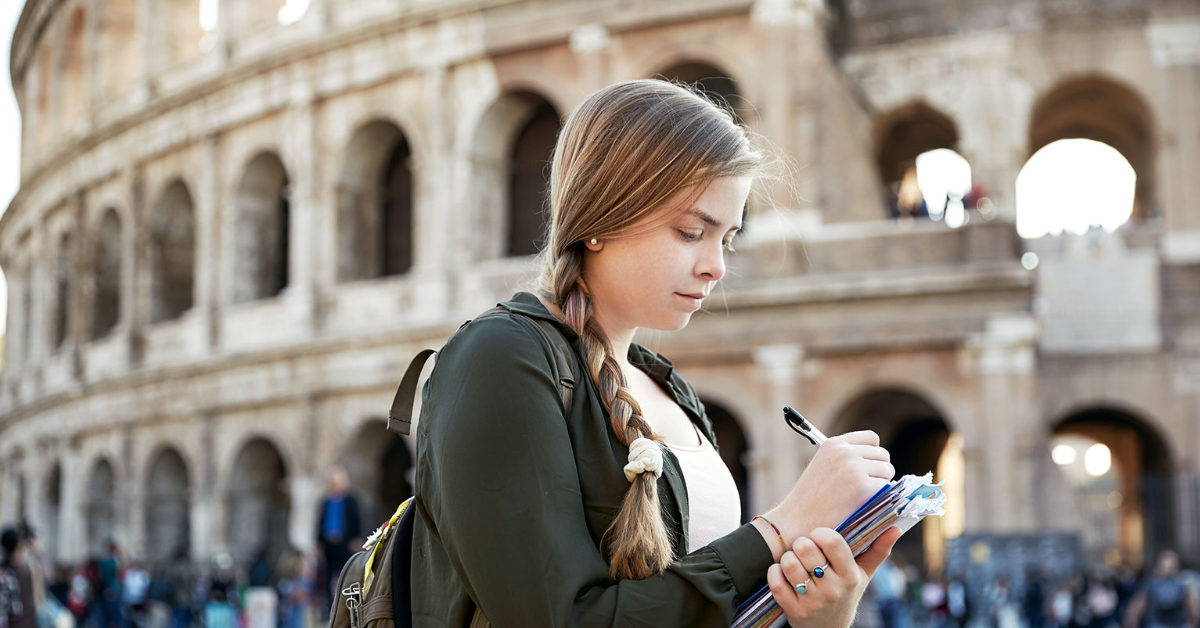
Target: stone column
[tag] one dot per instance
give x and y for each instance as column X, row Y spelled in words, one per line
column 207, row 538
column 777, row 462
column 301, row 149
column 302, row 527
column 434, row 246
column 1002, row 443
column 593, row 44
column 72, row 526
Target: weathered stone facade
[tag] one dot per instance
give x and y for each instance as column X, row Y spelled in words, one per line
column 227, row 245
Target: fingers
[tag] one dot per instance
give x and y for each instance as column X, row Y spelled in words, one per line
column 810, row 555
column 879, row 469
column 864, row 437
column 794, row 570
column 879, row 551
column 782, row 591
column 870, row 452
column 833, row 547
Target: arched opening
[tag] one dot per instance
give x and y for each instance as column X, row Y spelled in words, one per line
column 52, row 510
column 512, row 152
column 900, row 137
column 261, row 231
column 106, row 303
column 22, row 499
column 1120, row 476
column 62, row 290
column 100, row 507
column 375, row 204
column 122, row 43
column 732, row 446
column 183, row 34
column 1104, row 111
column 381, row 468
column 73, row 72
column 920, row 441
column 1072, row 186
column 259, row 502
column 166, row 499
column 172, row 254
column 713, row 82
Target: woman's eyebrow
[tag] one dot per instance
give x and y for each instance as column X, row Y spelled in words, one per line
column 708, row 218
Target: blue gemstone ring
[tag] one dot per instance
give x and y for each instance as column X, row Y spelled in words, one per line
column 819, row 572
column 802, row 588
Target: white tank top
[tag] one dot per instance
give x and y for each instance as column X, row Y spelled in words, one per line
column 714, row 506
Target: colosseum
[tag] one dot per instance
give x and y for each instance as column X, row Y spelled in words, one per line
column 239, row 219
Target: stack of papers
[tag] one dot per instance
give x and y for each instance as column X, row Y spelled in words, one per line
column 902, row 503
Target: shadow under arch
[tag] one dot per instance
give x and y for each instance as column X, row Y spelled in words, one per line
column 259, row 502
column 511, row 150
column 1145, row 474
column 380, row 466
column 716, row 84
column 375, row 199
column 916, row 434
column 732, row 445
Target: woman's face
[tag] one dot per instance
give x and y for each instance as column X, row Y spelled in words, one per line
column 648, row 279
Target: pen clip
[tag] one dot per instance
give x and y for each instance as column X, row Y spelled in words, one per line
column 799, row 424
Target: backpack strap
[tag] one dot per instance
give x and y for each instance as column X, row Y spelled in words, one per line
column 563, row 370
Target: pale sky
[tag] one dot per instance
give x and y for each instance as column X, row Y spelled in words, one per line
column 10, row 130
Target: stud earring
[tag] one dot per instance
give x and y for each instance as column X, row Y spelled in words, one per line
column 593, row 241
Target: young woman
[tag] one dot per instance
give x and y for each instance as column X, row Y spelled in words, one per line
column 617, row 511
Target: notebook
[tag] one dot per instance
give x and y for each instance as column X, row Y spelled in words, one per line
column 901, row 503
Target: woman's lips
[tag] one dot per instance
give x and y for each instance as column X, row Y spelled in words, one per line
column 692, row 300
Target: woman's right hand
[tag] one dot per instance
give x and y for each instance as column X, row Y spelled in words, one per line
column 846, row 471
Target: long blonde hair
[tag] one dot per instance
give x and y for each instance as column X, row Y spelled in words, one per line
column 621, row 155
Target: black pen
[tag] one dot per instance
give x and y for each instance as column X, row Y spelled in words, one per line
column 803, row 427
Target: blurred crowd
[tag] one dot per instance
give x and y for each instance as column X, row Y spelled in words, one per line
column 276, row 589
column 110, row 591
column 1165, row 596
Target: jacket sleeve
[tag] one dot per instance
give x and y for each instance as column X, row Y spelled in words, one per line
column 509, row 510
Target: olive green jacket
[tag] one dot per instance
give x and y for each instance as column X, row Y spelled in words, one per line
column 513, row 494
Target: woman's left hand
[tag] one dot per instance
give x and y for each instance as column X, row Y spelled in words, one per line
column 831, row 600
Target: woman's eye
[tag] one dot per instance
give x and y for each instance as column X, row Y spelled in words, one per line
column 690, row 237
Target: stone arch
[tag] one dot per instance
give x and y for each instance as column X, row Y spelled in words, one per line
column 172, row 253
column 381, row 467
column 258, row 500
column 100, row 506
column 263, row 217
column 121, row 45
column 52, row 509
column 73, row 72
column 376, row 192
column 167, row 519
column 710, row 78
column 511, row 155
column 107, row 260
column 181, row 20
column 63, row 273
column 1104, row 110
column 917, row 435
column 1143, row 474
column 732, row 445
column 902, row 134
